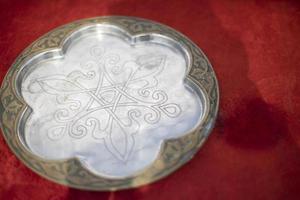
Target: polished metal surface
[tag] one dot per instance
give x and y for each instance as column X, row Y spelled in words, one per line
column 109, row 100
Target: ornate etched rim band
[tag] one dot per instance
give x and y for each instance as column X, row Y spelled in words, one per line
column 108, row 103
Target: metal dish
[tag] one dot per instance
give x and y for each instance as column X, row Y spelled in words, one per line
column 108, row 103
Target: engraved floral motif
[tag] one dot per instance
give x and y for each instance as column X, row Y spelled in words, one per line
column 135, row 93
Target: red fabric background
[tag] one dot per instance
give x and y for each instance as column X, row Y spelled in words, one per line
column 254, row 150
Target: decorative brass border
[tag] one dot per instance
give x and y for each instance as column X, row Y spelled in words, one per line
column 70, row 172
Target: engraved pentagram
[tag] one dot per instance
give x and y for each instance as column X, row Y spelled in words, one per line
column 108, row 96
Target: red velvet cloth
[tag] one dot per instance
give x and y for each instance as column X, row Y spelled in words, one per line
column 254, row 150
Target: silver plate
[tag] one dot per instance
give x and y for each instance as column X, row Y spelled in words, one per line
column 108, row 103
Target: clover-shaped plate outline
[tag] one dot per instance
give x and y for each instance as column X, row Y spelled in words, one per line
column 173, row 154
